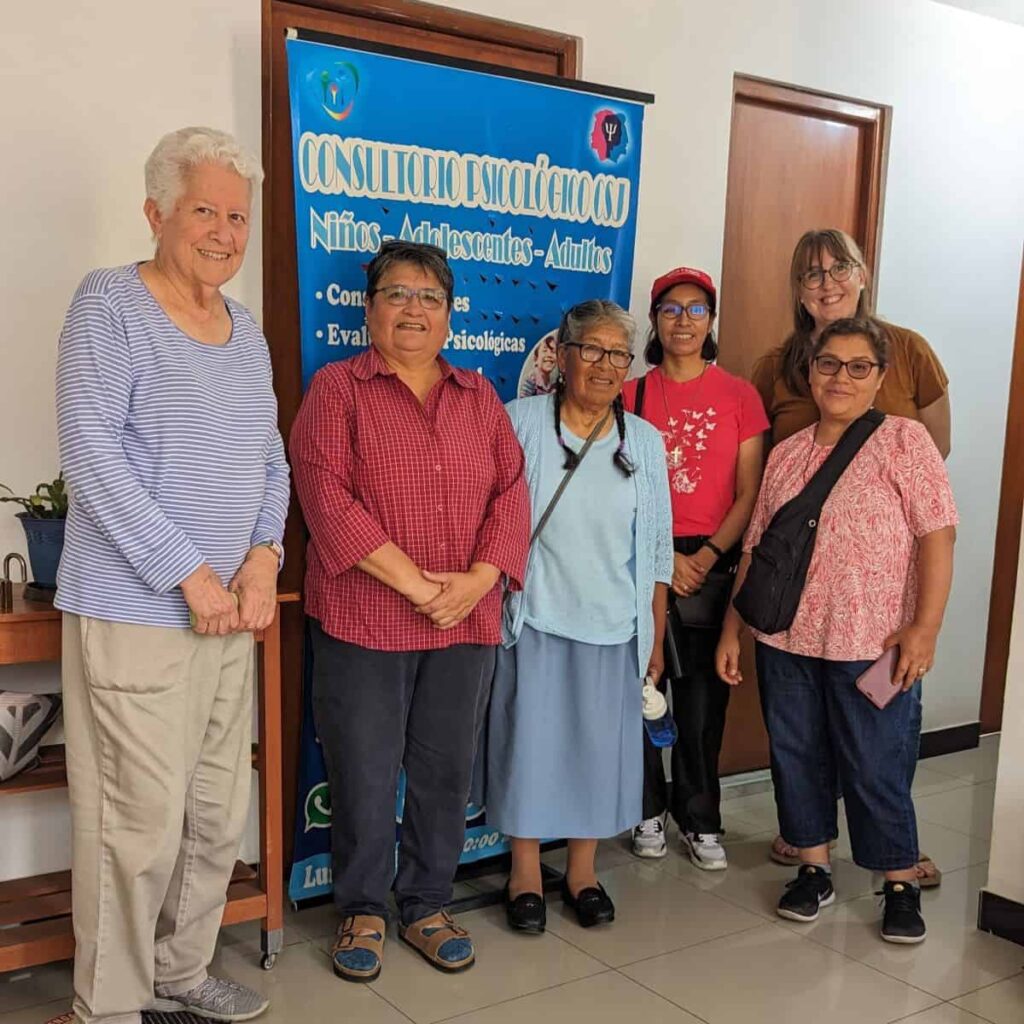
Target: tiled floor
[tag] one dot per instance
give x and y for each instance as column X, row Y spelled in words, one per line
column 687, row 946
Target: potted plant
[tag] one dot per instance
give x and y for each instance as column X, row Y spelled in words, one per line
column 43, row 522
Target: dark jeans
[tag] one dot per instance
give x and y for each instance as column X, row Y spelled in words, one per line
column 376, row 711
column 699, row 703
column 820, row 728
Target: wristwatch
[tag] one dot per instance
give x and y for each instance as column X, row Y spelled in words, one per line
column 714, row 548
column 275, row 547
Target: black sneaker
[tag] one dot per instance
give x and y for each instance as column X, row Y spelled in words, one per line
column 811, row 889
column 902, row 921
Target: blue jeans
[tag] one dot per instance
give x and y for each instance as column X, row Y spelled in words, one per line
column 821, row 729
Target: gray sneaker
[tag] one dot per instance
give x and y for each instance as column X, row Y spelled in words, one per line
column 215, row 999
column 649, row 838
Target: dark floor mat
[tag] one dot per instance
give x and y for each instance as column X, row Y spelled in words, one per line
column 150, row 1017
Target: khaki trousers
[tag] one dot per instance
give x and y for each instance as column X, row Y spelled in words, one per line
column 158, row 732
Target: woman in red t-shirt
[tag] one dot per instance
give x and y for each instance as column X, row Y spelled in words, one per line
column 713, row 425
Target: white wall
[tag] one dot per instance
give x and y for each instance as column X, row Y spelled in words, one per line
column 83, row 99
column 84, row 96
column 1007, row 851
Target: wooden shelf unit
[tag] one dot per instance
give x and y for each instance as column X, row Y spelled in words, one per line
column 35, row 913
column 49, row 773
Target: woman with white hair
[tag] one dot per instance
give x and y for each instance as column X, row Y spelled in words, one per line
column 179, row 490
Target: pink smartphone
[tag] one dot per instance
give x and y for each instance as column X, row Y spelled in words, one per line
column 876, row 682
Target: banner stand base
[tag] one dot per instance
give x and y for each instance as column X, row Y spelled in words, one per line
column 551, row 880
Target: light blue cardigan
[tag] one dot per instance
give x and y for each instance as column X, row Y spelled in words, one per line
column 653, row 554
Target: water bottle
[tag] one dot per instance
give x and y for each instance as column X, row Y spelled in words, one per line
column 660, row 726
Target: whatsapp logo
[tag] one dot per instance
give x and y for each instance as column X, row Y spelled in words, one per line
column 318, row 807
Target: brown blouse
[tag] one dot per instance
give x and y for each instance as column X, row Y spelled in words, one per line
column 915, row 379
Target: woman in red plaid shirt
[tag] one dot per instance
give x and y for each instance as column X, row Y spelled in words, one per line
column 411, row 482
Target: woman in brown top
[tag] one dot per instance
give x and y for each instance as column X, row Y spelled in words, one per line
column 829, row 282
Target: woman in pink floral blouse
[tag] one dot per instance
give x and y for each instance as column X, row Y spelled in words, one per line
column 879, row 577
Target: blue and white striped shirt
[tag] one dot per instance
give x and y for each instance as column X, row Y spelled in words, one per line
column 170, row 448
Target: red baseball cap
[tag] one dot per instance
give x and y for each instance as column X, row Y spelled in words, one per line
column 684, row 275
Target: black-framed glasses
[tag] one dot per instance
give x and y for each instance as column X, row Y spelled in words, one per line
column 840, row 271
column 694, row 310
column 858, row 369
column 591, row 353
column 400, row 294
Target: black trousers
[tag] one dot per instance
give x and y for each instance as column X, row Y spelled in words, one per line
column 699, row 703
column 376, row 711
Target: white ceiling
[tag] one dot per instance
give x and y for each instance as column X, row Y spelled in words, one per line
column 1005, row 10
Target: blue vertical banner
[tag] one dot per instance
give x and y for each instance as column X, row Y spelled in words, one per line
column 530, row 187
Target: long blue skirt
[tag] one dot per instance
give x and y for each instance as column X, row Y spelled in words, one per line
column 565, row 739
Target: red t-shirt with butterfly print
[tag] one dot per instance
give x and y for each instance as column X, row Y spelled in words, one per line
column 703, row 421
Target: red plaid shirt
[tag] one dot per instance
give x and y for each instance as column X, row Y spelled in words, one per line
column 443, row 481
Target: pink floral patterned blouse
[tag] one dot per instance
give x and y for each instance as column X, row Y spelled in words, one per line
column 862, row 582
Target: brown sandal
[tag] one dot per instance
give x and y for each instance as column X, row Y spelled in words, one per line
column 358, row 957
column 428, row 935
column 928, row 875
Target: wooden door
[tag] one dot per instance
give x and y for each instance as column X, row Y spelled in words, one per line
column 402, row 23
column 1008, row 531
column 797, row 160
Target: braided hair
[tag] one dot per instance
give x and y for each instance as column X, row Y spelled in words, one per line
column 620, row 458
column 574, row 322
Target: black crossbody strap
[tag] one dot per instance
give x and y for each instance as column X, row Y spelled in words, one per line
column 638, row 402
column 819, row 487
column 592, row 437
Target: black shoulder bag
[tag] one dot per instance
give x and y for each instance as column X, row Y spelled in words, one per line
column 771, row 592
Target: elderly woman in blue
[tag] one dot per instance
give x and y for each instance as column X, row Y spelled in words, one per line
column 565, row 751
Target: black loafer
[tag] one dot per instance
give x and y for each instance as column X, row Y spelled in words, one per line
column 592, row 905
column 526, row 913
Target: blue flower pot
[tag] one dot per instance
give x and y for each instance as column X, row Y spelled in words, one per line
column 45, row 543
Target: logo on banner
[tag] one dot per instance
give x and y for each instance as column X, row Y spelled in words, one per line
column 335, row 88
column 318, row 807
column 608, row 138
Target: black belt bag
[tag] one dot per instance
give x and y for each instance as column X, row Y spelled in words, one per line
column 774, row 584
column 705, row 609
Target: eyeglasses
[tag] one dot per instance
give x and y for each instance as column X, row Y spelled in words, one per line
column 839, row 271
column 694, row 310
column 400, row 295
column 595, row 353
column 858, row 369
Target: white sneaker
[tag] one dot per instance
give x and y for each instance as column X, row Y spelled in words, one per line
column 705, row 850
column 649, row 838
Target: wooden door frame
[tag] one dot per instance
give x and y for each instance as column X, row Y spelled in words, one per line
column 280, row 287
column 1008, row 536
column 876, row 117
